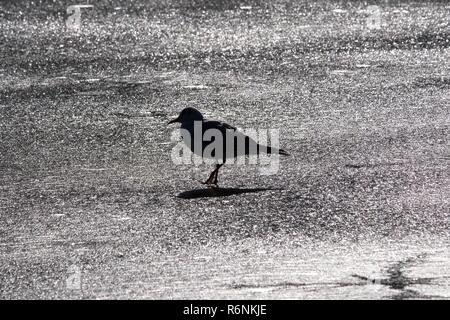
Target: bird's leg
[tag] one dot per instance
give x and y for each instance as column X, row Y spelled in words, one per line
column 212, row 180
column 217, row 173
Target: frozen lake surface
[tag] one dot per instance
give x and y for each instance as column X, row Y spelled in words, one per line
column 91, row 205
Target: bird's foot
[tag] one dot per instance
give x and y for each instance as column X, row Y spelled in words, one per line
column 208, row 183
column 212, row 180
column 213, row 186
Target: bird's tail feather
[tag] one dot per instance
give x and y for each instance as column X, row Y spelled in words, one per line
column 271, row 150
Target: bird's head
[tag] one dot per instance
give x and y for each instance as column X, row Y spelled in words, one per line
column 188, row 115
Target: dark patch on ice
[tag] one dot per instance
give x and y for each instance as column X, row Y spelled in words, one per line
column 433, row 81
column 371, row 165
column 397, row 280
column 282, row 285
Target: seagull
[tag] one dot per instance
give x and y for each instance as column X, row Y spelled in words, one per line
column 189, row 116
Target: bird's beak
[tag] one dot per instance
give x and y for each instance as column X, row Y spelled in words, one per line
column 174, row 120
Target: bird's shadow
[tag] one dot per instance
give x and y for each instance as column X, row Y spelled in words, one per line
column 219, row 192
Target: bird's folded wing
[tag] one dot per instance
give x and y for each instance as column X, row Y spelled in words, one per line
column 242, row 145
column 222, row 126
